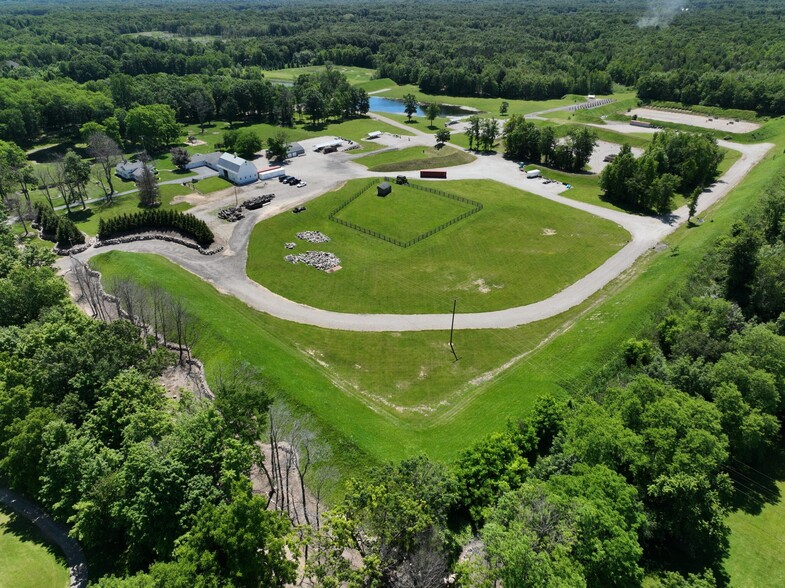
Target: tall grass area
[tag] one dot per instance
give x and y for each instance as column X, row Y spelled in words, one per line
column 27, row 559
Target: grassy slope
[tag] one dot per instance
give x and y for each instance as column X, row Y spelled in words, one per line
column 355, row 75
column 26, row 558
column 414, row 158
column 504, row 244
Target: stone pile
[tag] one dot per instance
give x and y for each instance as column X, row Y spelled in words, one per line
column 231, row 214
column 313, row 237
column 290, row 245
column 322, row 260
column 258, row 201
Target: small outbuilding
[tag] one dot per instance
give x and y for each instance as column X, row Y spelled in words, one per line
column 294, row 150
column 328, row 146
column 383, row 189
column 534, row 173
column 374, row 134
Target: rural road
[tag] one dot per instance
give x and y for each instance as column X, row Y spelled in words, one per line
column 227, row 272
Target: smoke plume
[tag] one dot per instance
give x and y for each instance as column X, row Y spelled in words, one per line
column 661, row 12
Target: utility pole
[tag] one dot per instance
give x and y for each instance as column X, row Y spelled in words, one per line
column 452, row 328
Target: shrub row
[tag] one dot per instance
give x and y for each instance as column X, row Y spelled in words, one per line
column 57, row 228
column 156, row 219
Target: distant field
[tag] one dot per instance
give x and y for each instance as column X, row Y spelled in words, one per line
column 355, row 75
column 415, row 158
column 519, row 249
column 27, row 560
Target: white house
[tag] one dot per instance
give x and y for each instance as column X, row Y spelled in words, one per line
column 131, row 170
column 236, row 169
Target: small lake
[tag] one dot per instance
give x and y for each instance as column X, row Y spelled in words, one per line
column 380, row 104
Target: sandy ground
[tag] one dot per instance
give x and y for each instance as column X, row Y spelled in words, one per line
column 327, row 172
column 697, row 120
column 603, row 148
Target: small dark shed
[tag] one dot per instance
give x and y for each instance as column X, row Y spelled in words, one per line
column 383, row 189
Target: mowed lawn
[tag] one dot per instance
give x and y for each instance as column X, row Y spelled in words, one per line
column 519, row 249
column 415, row 158
column 87, row 220
column 27, row 560
column 404, row 214
column 757, row 546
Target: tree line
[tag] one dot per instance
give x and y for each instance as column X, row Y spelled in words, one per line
column 525, row 141
column 157, row 219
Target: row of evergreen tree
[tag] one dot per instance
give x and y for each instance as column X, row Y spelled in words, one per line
column 57, row 228
column 186, row 224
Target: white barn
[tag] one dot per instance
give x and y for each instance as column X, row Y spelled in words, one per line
column 236, row 169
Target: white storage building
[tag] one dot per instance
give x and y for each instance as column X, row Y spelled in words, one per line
column 271, row 172
column 236, row 169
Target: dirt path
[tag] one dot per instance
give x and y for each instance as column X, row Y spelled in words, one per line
column 51, row 530
column 228, row 274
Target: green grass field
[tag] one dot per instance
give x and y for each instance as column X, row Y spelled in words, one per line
column 210, row 185
column 757, row 546
column 404, row 214
column 519, row 249
column 87, row 220
column 27, row 560
column 414, row 158
column 355, row 75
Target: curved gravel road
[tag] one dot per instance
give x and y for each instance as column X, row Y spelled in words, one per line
column 227, row 272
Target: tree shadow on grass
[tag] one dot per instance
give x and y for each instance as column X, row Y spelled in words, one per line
column 79, row 216
column 755, row 484
column 26, row 532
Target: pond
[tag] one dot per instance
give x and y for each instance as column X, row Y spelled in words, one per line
column 380, row 104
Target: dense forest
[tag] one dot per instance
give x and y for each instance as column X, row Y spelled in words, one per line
column 715, row 53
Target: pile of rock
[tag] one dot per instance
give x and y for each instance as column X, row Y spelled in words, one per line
column 231, row 214
column 290, row 245
column 313, row 237
column 258, row 201
column 322, row 260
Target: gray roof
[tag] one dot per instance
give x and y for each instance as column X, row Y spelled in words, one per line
column 128, row 167
column 231, row 162
column 295, row 147
column 207, row 157
column 385, row 186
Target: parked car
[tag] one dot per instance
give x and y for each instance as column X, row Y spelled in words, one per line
column 302, row 184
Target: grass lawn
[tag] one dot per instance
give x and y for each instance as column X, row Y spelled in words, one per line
column 27, row 560
column 210, row 185
column 355, row 129
column 519, row 249
column 404, row 214
column 757, row 546
column 355, row 75
column 414, row 158
column 87, row 220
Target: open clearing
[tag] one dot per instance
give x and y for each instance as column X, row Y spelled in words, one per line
column 415, row 158
column 27, row 560
column 697, row 120
column 503, row 245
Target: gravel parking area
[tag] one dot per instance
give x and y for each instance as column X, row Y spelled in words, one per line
column 697, row 120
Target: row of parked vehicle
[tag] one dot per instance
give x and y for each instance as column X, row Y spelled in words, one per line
column 292, row 181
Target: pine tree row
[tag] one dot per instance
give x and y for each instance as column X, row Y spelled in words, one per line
column 157, row 219
column 61, row 229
